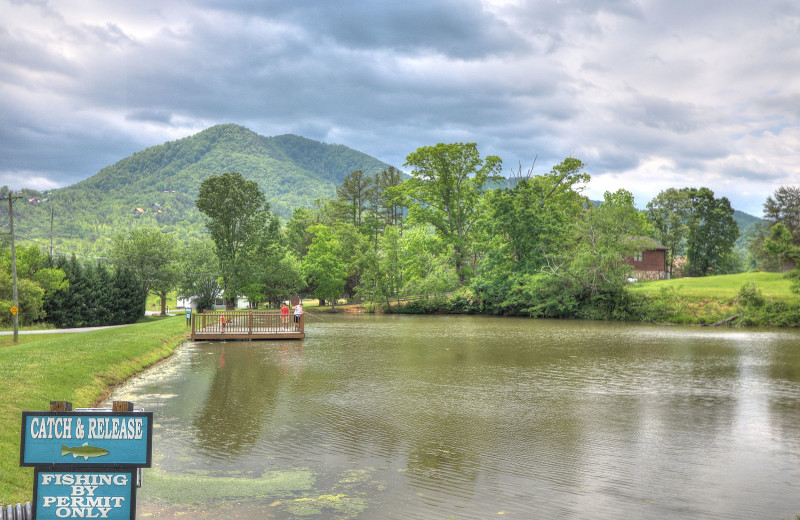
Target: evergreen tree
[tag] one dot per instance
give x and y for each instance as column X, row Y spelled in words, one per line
column 129, row 306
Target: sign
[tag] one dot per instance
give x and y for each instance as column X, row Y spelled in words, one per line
column 97, row 439
column 14, row 310
column 84, row 494
column 188, row 312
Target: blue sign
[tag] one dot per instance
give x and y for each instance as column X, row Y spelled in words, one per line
column 110, row 439
column 84, row 494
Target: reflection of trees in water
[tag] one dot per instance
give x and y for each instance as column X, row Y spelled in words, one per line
column 241, row 397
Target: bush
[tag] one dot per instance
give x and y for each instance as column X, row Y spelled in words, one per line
column 750, row 296
column 424, row 306
column 464, row 301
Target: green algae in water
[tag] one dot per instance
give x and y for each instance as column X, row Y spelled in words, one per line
column 345, row 506
column 174, row 489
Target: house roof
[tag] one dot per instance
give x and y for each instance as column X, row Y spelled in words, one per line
column 653, row 244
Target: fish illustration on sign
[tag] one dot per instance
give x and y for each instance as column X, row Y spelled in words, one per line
column 84, row 451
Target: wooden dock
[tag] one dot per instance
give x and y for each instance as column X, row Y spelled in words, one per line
column 246, row 325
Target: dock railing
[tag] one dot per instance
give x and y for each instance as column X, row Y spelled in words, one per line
column 246, row 323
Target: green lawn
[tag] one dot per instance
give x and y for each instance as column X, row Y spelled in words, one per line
column 77, row 367
column 772, row 285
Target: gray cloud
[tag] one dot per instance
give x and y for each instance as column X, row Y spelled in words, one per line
column 650, row 96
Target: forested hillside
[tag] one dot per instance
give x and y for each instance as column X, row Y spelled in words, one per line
column 158, row 186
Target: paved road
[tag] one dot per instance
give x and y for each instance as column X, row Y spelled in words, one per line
column 65, row 331
column 58, row 331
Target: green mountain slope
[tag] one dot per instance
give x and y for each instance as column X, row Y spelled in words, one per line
column 158, row 185
column 292, row 171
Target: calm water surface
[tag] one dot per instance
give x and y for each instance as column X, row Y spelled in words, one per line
column 383, row 417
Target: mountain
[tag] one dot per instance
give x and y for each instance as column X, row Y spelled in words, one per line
column 158, row 185
column 292, row 171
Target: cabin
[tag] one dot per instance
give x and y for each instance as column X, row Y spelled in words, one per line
column 650, row 263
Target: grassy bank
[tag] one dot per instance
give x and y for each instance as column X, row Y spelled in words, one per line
column 79, row 367
column 755, row 299
column 773, row 285
column 745, row 299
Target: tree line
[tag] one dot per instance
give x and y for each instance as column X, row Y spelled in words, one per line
column 532, row 244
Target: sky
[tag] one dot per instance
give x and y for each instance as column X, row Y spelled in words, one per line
column 649, row 94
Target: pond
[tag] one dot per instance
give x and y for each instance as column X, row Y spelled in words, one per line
column 438, row 417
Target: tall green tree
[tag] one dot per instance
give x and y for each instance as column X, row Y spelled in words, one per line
column 323, row 264
column 783, row 207
column 712, row 233
column 297, row 235
column 446, row 188
column 355, row 193
column 152, row 256
column 530, row 219
column 388, row 204
column 236, row 214
column 669, row 214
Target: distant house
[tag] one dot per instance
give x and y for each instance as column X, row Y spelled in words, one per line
column 138, row 211
column 650, row 263
column 241, row 303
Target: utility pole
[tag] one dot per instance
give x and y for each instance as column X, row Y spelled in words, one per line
column 15, row 304
column 52, row 210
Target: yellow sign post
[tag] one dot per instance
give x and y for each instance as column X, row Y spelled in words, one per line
column 14, row 310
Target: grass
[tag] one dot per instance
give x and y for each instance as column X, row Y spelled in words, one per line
column 7, row 341
column 711, row 299
column 78, row 367
column 772, row 285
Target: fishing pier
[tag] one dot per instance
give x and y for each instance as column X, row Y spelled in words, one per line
column 246, row 325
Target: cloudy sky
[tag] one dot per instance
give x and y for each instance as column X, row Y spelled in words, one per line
column 649, row 94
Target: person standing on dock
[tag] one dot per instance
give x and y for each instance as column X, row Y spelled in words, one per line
column 285, row 315
column 298, row 311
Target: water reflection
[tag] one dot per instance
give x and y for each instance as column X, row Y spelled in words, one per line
column 238, row 403
column 469, row 417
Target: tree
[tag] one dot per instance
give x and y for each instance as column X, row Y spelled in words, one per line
column 712, row 233
column 387, row 203
column 607, row 237
column 323, row 264
column 357, row 258
column 198, row 273
column 382, row 274
column 784, row 207
column 355, row 193
column 152, row 257
column 297, row 234
column 529, row 220
column 669, row 214
column 447, row 184
column 236, row 214
column 274, row 272
column 780, row 244
column 36, row 281
column 424, row 259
